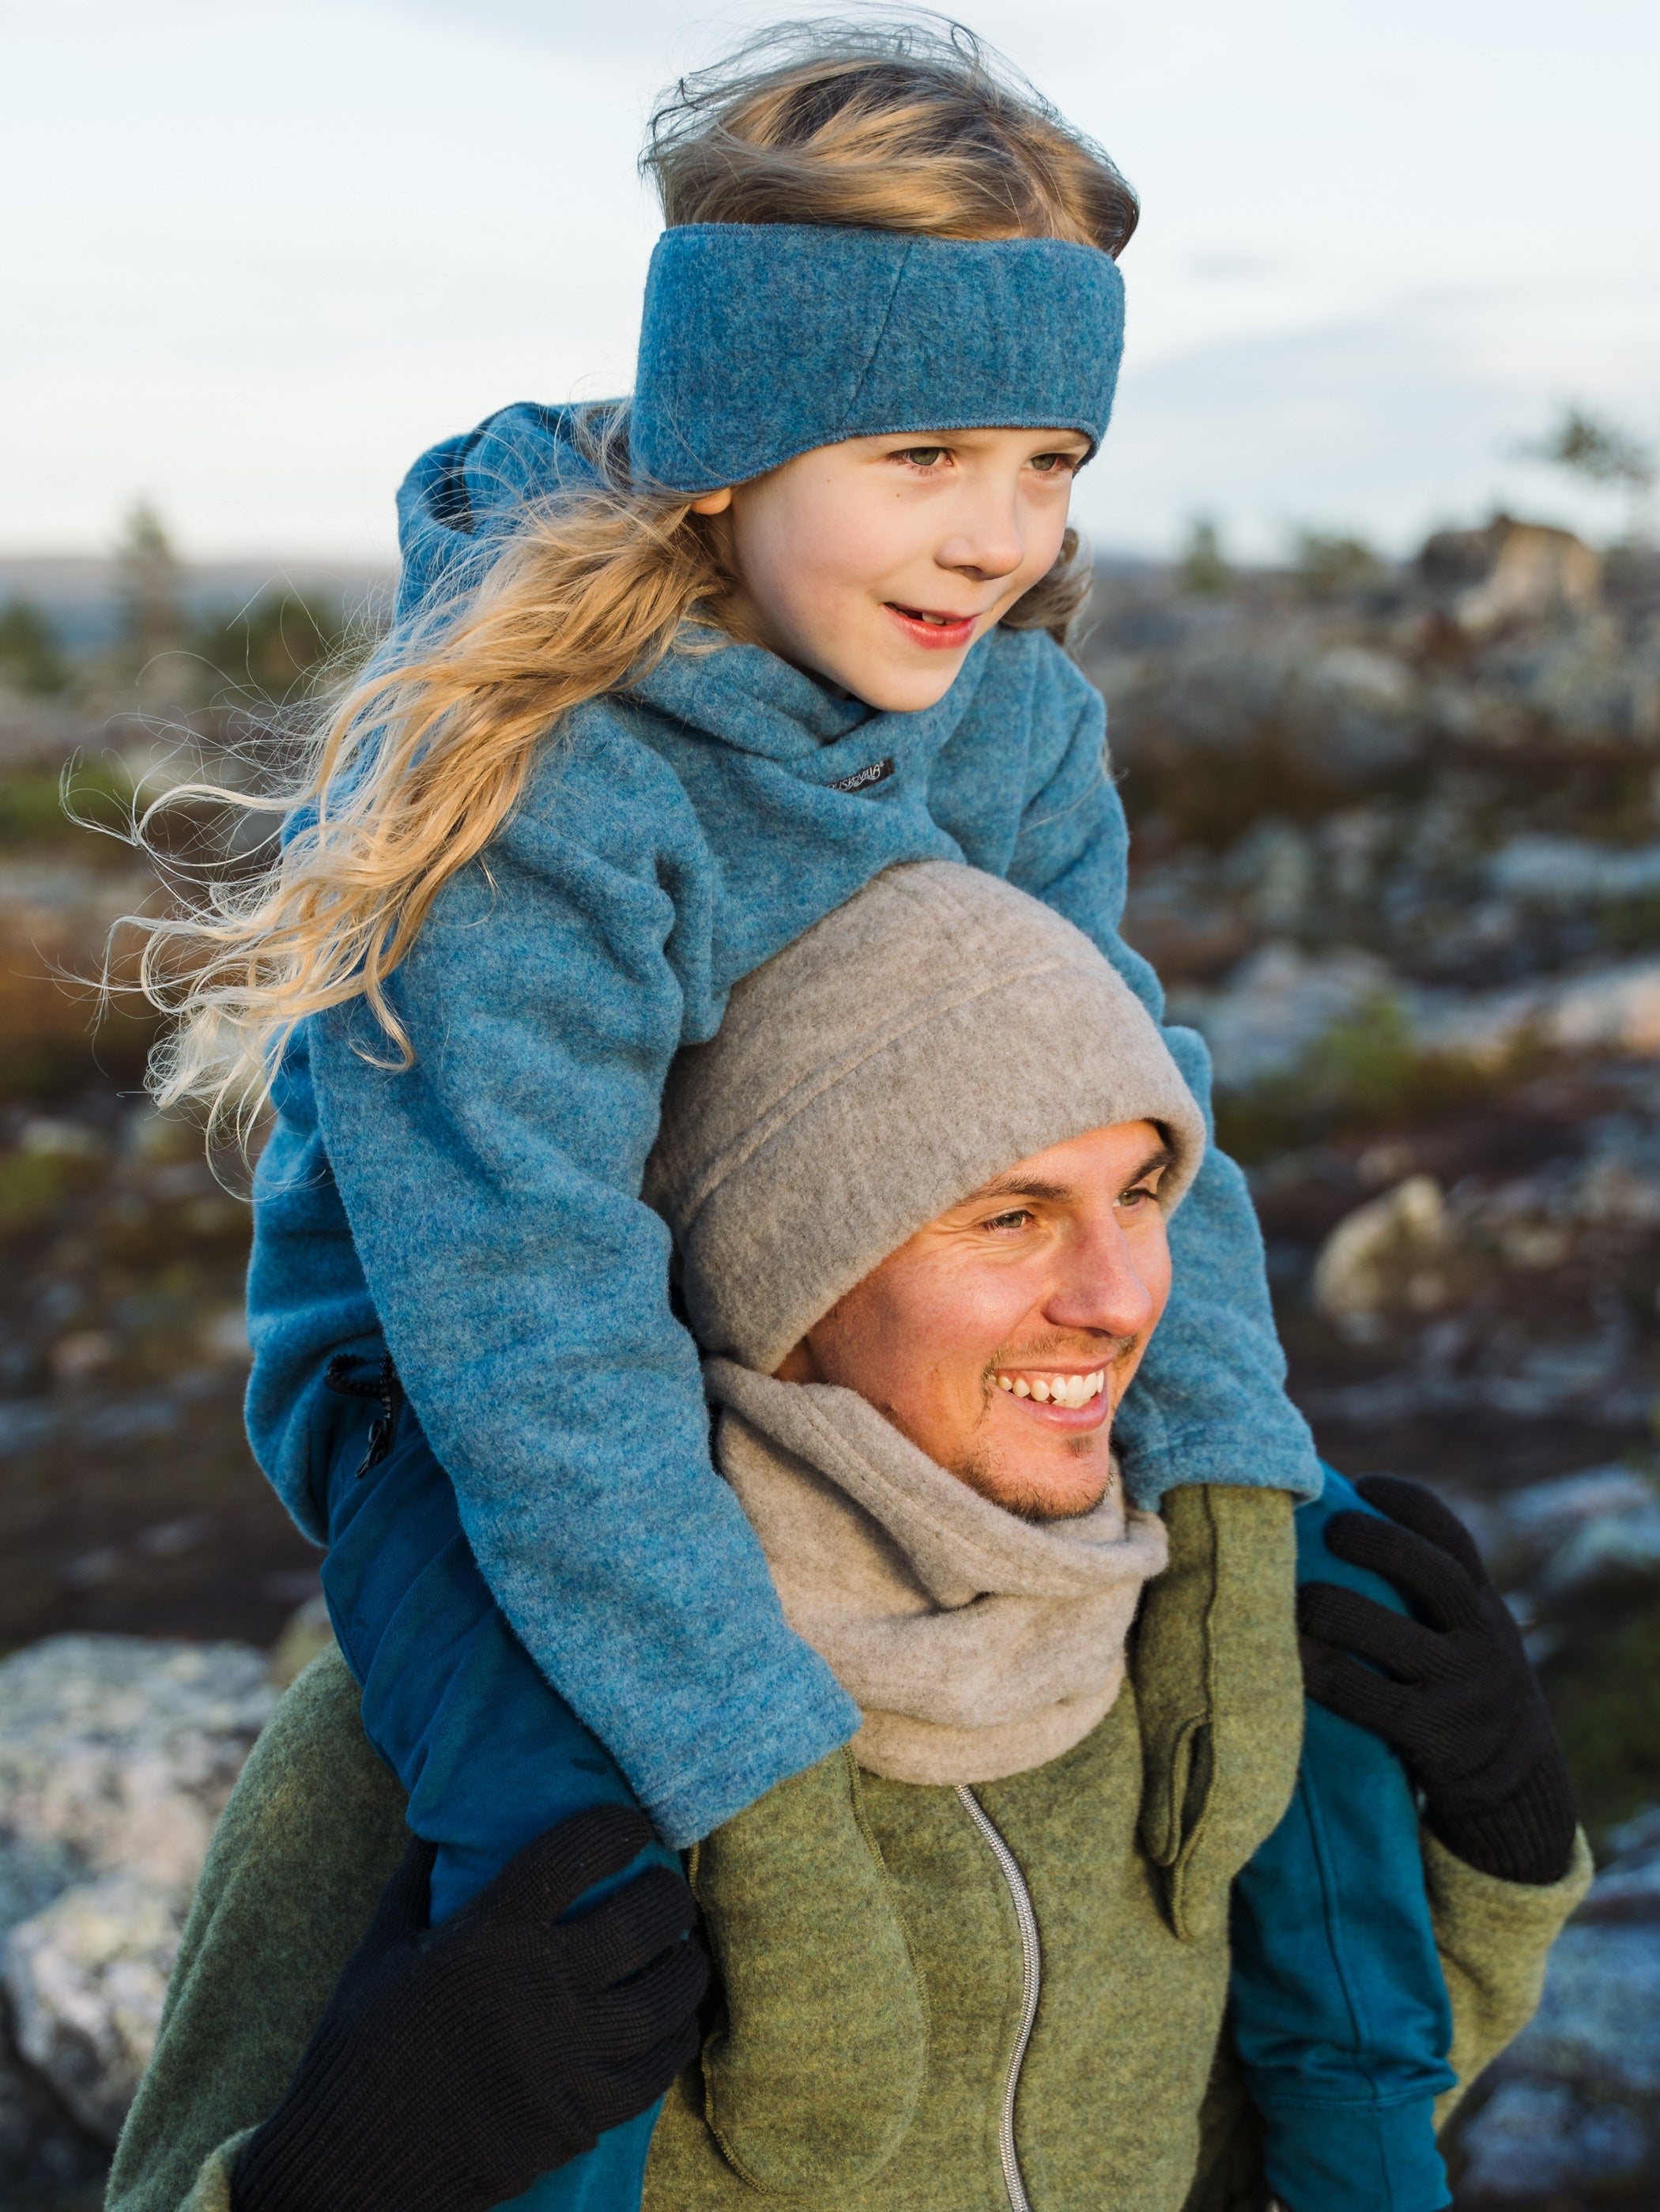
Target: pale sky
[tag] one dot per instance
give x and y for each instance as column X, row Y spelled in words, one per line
column 260, row 252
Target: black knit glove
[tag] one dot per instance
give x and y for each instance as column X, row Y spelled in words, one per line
column 1458, row 1698
column 454, row 2065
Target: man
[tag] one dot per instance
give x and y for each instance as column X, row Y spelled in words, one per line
column 918, row 1189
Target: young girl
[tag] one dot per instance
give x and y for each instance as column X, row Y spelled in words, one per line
column 669, row 681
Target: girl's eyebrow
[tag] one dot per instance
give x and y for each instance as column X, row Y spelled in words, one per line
column 902, row 441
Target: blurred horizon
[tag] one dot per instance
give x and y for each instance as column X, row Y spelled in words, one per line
column 261, row 257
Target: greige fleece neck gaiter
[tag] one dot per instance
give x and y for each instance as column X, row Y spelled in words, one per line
column 976, row 1644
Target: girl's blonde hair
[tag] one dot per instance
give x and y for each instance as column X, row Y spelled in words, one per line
column 909, row 126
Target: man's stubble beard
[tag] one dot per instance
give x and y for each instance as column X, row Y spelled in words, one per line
column 988, row 1472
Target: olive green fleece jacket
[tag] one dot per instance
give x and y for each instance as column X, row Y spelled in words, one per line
column 869, row 1943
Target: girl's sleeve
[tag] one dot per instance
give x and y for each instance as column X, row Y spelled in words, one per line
column 492, row 1191
column 1208, row 1404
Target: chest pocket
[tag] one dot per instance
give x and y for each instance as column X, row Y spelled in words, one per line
column 1219, row 1693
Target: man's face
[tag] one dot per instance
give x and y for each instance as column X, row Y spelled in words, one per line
column 1000, row 1338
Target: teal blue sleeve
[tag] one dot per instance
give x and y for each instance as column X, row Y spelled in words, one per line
column 1339, row 2009
column 1208, row 1403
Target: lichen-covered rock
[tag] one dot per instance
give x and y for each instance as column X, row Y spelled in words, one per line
column 1574, row 1530
column 118, row 1752
column 85, row 1980
column 1393, row 1251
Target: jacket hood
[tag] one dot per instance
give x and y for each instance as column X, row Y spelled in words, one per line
column 463, row 496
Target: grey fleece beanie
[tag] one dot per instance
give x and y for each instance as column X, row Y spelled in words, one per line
column 918, row 1042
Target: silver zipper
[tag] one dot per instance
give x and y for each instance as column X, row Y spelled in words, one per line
column 1031, row 1972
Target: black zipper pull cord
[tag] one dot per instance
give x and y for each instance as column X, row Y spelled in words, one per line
column 341, row 1375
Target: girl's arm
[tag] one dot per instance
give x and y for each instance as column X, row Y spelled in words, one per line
column 492, row 1192
column 1208, row 1404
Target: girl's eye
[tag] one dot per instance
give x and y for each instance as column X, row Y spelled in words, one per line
column 1055, row 464
column 922, row 457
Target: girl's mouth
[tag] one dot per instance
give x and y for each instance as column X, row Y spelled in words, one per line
column 935, row 633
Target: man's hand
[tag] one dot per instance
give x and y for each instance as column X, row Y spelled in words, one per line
column 454, row 2065
column 1456, row 1695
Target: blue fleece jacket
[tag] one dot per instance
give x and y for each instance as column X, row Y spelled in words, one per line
column 481, row 1210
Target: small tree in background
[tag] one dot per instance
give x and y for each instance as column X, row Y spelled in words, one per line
column 1203, row 567
column 1329, row 565
column 31, row 658
column 148, row 578
column 277, row 648
column 1601, row 452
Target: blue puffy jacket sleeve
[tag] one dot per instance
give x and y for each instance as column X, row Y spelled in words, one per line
column 1208, row 1403
column 1339, row 2008
column 492, row 1193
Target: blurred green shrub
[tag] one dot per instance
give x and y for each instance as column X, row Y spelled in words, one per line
column 33, row 816
column 1202, row 568
column 276, row 650
column 31, row 658
column 1601, row 1688
column 1631, row 925
column 1364, row 1074
column 1330, row 566
column 32, row 1186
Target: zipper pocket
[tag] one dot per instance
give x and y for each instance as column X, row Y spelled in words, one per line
column 1031, row 1973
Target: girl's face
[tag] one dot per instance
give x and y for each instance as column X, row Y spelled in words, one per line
column 876, row 563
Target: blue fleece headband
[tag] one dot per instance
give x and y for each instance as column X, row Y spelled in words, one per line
column 762, row 340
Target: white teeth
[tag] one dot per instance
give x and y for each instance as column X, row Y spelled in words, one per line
column 1072, row 1391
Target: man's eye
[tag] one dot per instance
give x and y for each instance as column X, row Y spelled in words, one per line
column 1016, row 1219
column 1142, row 1195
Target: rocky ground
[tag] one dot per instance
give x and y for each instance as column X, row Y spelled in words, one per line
column 1396, row 851
column 117, row 1754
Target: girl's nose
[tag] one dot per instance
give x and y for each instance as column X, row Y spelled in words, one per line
column 987, row 543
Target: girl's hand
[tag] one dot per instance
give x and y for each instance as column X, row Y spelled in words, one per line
column 1452, row 1690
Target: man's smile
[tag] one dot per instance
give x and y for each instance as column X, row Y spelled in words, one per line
column 1051, row 1387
